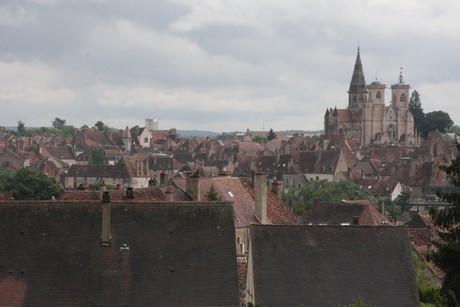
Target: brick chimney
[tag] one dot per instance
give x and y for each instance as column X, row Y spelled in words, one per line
column 277, row 188
column 192, row 186
column 260, row 199
column 105, row 239
column 356, row 221
column 129, row 193
column 169, row 194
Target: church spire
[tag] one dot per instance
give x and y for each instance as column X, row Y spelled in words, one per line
column 358, row 82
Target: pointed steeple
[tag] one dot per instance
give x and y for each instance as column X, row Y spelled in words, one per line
column 358, row 82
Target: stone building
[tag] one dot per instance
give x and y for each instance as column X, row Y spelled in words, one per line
column 367, row 118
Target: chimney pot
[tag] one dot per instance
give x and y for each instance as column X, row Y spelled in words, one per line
column 129, row 193
column 356, row 221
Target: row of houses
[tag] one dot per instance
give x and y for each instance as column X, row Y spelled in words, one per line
column 292, row 161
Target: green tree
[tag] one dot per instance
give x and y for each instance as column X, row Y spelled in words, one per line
column 21, row 127
column 31, row 147
column 429, row 292
column 259, row 139
column 415, row 107
column 438, row 120
column 58, row 123
column 6, row 176
column 100, row 125
column 403, row 201
column 97, row 156
column 447, row 255
column 392, row 209
column 322, row 190
column 212, row 194
column 271, row 135
column 29, row 185
column 454, row 129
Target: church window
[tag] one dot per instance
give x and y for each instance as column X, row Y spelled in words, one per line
column 361, row 99
column 354, row 99
column 391, row 132
column 377, row 95
column 403, row 98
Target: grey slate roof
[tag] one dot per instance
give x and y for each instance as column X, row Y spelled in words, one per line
column 179, row 255
column 330, row 265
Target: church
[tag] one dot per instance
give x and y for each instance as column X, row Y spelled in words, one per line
column 368, row 119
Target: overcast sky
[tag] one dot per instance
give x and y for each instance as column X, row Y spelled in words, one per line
column 218, row 65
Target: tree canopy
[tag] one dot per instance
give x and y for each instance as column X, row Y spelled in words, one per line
column 212, row 194
column 415, row 107
column 427, row 122
column 100, row 125
column 323, row 190
column 271, row 135
column 97, row 156
column 447, row 255
column 21, row 127
column 58, row 123
column 438, row 120
column 29, row 185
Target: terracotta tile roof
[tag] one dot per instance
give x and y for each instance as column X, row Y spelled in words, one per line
column 249, row 148
column 160, row 255
column 61, row 152
column 423, row 174
column 113, row 171
column 440, row 179
column 329, row 265
column 338, row 213
column 241, row 193
column 344, row 115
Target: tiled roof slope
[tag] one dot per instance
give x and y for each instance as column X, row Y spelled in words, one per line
column 94, row 170
column 336, row 213
column 179, row 255
column 242, row 194
column 330, row 265
column 143, row 194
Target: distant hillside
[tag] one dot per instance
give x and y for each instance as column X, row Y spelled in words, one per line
column 197, row 133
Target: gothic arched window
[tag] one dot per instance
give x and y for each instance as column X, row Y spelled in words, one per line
column 378, row 95
column 361, row 99
column 354, row 99
column 403, row 98
column 392, row 132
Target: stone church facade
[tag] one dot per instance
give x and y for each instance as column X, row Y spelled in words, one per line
column 368, row 119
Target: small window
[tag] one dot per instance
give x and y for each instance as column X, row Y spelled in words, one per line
column 403, row 98
column 146, row 140
column 378, row 95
